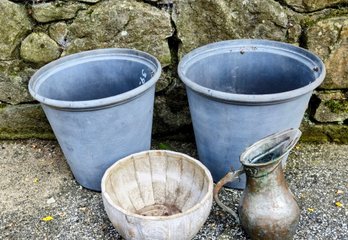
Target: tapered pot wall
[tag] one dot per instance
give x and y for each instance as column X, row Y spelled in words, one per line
column 223, row 131
column 93, row 140
column 240, row 91
column 100, row 106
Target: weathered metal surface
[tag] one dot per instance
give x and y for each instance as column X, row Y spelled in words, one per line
column 267, row 209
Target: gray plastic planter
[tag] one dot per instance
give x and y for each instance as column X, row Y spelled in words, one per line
column 100, row 105
column 241, row 91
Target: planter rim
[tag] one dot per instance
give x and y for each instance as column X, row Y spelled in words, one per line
column 205, row 198
column 72, row 60
column 309, row 59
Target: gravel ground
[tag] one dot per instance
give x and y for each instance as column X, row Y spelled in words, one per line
column 36, row 183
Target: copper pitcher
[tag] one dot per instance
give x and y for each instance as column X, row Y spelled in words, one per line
column 267, row 208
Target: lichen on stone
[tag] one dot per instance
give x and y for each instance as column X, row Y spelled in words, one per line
column 201, row 22
column 39, row 48
column 321, row 133
column 14, row 78
column 313, row 5
column 126, row 24
column 57, row 10
column 337, row 106
column 333, row 107
column 329, row 39
column 24, row 121
column 14, row 26
column 55, row 28
column 89, row 1
column 58, row 32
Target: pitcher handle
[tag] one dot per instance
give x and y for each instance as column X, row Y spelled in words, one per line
column 229, row 177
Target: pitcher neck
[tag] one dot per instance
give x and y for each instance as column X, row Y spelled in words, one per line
column 265, row 170
column 265, row 177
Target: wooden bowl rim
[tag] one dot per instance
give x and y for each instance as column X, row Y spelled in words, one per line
column 178, row 215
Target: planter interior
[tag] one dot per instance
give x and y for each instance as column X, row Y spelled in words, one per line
column 250, row 72
column 157, row 194
column 95, row 79
column 241, row 91
column 159, row 183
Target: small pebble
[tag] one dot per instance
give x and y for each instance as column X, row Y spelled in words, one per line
column 51, row 200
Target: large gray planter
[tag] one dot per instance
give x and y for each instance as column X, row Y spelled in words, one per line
column 100, row 106
column 241, row 91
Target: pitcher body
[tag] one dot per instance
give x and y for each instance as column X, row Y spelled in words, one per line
column 267, row 209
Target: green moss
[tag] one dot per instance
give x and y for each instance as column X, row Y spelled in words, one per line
column 337, row 133
column 339, row 12
column 164, row 146
column 24, row 121
column 323, row 133
column 337, row 106
column 24, row 132
column 165, row 59
column 15, row 136
column 308, row 21
column 312, row 134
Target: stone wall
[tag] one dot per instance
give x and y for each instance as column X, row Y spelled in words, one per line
column 36, row 32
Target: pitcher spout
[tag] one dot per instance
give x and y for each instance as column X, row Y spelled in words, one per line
column 271, row 149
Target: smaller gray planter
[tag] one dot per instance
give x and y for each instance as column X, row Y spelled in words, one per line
column 100, row 106
column 241, row 91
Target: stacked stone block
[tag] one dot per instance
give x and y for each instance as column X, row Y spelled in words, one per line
column 35, row 32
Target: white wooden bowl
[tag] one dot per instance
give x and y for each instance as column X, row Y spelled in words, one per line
column 157, row 195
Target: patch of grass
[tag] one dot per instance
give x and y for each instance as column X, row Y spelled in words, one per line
column 165, row 146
